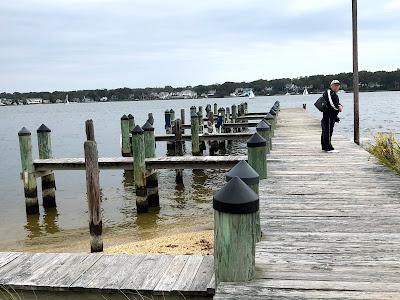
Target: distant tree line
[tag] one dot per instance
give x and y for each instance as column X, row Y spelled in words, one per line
column 369, row 81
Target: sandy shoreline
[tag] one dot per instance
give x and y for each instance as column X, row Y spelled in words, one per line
column 187, row 243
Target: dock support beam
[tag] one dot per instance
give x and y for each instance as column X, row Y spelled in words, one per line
column 48, row 181
column 29, row 180
column 153, row 198
column 235, row 212
column 139, row 169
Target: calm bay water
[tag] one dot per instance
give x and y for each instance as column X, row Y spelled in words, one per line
column 181, row 208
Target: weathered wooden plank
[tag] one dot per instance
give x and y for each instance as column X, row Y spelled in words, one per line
column 185, row 279
column 172, row 274
column 167, row 162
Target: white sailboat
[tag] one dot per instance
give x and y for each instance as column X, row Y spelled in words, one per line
column 66, row 99
column 305, row 92
column 251, row 94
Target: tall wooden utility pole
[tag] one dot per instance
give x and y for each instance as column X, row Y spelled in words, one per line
column 355, row 76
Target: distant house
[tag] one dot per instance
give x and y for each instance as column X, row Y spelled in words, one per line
column 163, row 95
column 242, row 92
column 59, row 101
column 103, row 99
column 211, row 93
column 34, row 101
column 188, row 94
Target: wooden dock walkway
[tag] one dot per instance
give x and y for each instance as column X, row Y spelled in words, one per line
column 330, row 222
column 73, row 274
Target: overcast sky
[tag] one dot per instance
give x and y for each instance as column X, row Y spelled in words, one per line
column 48, row 45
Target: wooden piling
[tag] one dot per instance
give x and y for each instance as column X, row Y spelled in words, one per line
column 153, row 198
column 264, row 129
column 257, row 152
column 93, row 191
column 48, row 181
column 178, row 150
column 235, row 207
column 131, row 123
column 221, row 115
column 139, row 169
column 250, row 177
column 195, row 134
column 150, row 118
column 168, row 130
column 215, row 109
column 29, row 180
column 183, row 120
column 125, row 138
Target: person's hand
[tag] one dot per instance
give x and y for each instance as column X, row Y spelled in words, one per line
column 340, row 108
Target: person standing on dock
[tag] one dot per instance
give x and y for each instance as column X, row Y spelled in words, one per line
column 330, row 116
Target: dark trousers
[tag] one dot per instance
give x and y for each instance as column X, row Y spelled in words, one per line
column 327, row 124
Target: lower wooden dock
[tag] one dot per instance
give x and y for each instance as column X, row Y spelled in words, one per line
column 76, row 276
column 330, row 222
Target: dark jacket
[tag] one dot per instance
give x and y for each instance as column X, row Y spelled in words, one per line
column 335, row 99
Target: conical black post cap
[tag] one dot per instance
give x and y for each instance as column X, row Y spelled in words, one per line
column 256, row 140
column 124, row 117
column 24, row 131
column 263, row 126
column 171, row 111
column 137, row 130
column 167, row 111
column 43, row 128
column 236, row 198
column 147, row 126
column 245, row 172
column 130, row 117
column 269, row 116
column 268, row 123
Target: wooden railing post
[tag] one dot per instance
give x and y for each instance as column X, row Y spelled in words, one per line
column 150, row 118
column 125, row 138
column 183, row 120
column 250, row 177
column 257, row 154
column 234, row 116
column 168, row 130
column 153, row 198
column 215, row 109
column 28, row 177
column 48, row 181
column 139, row 169
column 131, row 123
column 93, row 190
column 235, row 213
column 271, row 120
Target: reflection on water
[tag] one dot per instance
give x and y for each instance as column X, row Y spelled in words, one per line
column 187, row 205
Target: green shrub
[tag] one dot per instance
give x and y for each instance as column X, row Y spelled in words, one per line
column 386, row 148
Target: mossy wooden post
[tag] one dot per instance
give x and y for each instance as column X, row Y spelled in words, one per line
column 153, row 198
column 201, row 130
column 264, row 129
column 195, row 134
column 150, row 118
column 48, row 181
column 139, row 169
column 183, row 121
column 215, row 109
column 245, row 108
column 29, row 180
column 125, row 138
column 274, row 123
column 271, row 120
column 235, row 213
column 93, row 189
column 250, row 177
column 131, row 122
column 257, row 154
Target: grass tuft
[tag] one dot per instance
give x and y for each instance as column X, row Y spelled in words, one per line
column 386, row 148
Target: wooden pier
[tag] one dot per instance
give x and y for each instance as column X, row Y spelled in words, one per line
column 94, row 276
column 330, row 222
column 330, row 227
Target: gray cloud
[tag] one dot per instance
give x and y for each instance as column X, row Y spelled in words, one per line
column 49, row 45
